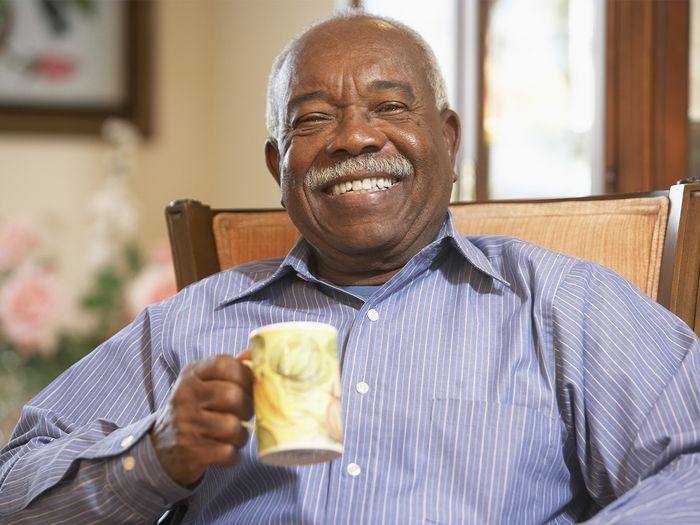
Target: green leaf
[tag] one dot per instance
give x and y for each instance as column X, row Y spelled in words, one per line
column 134, row 259
column 87, row 7
column 4, row 12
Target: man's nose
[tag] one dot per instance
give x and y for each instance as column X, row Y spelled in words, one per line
column 356, row 134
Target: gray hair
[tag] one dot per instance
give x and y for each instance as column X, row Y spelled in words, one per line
column 279, row 75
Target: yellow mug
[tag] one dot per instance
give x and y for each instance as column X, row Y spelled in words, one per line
column 296, row 393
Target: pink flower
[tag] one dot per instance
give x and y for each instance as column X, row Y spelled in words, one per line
column 161, row 253
column 154, row 284
column 53, row 66
column 30, row 312
column 17, row 241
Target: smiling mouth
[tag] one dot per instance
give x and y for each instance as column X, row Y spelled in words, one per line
column 367, row 184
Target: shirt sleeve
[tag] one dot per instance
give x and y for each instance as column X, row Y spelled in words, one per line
column 630, row 371
column 81, row 447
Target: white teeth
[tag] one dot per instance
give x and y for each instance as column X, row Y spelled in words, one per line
column 368, row 184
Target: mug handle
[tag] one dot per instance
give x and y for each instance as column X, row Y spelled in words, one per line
column 247, row 424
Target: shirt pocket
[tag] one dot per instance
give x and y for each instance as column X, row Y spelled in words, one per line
column 487, row 461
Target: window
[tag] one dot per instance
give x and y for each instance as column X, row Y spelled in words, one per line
column 543, row 114
column 548, row 107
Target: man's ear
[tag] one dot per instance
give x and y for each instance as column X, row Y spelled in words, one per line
column 451, row 132
column 272, row 158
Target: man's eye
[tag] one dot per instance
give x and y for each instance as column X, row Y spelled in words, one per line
column 390, row 107
column 311, row 118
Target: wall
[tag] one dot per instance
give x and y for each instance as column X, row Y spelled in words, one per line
column 258, row 30
column 211, row 58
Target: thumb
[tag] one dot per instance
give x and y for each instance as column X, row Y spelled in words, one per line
column 245, row 355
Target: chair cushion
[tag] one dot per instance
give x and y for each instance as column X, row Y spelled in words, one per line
column 626, row 235
column 244, row 236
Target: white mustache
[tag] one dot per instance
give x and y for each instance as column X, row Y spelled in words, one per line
column 396, row 166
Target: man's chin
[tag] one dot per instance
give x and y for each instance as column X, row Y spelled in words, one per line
column 362, row 243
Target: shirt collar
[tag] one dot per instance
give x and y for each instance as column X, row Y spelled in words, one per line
column 299, row 260
column 468, row 250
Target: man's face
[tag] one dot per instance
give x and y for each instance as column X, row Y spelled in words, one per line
column 358, row 89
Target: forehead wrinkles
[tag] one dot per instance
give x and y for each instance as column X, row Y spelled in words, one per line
column 337, row 70
column 338, row 85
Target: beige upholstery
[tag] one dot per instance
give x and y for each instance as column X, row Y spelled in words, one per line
column 247, row 236
column 626, row 235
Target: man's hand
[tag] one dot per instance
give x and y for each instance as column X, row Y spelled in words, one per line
column 201, row 424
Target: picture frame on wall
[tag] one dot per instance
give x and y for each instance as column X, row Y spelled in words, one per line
column 68, row 65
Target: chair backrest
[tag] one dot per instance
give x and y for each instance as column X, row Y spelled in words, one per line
column 623, row 234
column 651, row 239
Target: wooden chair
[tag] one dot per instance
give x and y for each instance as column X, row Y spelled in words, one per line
column 652, row 239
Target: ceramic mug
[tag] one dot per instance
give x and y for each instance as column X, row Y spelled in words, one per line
column 296, row 393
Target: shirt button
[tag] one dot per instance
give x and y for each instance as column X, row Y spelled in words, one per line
column 127, row 441
column 372, row 314
column 354, row 469
column 362, row 387
column 128, row 462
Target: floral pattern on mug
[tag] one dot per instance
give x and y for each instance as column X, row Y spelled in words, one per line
column 296, row 389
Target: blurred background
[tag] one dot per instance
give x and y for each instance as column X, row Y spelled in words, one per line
column 110, row 109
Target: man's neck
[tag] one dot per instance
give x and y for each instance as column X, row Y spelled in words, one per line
column 347, row 278
column 372, row 267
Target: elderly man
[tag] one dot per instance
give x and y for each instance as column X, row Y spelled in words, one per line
column 484, row 380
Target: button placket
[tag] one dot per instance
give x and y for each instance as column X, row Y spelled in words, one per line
column 358, row 407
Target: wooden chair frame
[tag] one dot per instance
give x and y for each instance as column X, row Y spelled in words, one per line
column 195, row 254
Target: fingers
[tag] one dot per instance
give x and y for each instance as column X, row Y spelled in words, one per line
column 192, row 421
column 222, row 367
column 201, row 423
column 220, row 383
column 223, row 396
column 223, row 428
column 208, row 405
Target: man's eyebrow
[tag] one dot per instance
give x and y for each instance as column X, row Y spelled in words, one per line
column 306, row 97
column 382, row 85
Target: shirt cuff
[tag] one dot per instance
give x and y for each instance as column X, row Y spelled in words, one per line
column 137, row 478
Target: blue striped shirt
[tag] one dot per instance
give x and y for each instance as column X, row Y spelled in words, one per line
column 489, row 381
